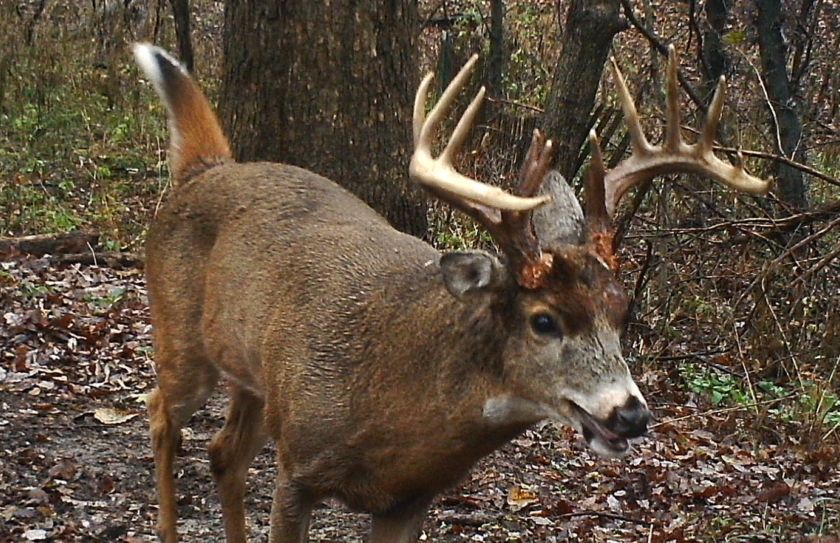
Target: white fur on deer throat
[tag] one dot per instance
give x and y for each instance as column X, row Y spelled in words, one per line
column 508, row 409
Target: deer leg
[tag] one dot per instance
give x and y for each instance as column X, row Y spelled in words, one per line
column 231, row 452
column 184, row 384
column 402, row 525
column 290, row 511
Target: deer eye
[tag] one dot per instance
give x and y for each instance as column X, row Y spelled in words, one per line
column 545, row 324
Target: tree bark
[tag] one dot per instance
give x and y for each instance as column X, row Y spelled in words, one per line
column 786, row 124
column 715, row 62
column 328, row 88
column 42, row 244
column 497, row 60
column 181, row 14
column 589, row 29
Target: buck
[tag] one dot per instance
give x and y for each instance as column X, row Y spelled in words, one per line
column 381, row 368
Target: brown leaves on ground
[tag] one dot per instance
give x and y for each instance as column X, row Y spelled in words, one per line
column 75, row 463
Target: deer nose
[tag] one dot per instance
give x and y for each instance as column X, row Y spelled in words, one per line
column 631, row 419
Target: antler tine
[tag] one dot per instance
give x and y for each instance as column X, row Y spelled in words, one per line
column 462, row 129
column 419, row 116
column 506, row 216
column 674, row 156
column 536, row 165
column 595, row 197
column 601, row 233
column 631, row 116
column 438, row 174
column 713, row 118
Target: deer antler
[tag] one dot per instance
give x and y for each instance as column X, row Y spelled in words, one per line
column 605, row 188
column 438, row 173
column 507, row 217
column 673, row 155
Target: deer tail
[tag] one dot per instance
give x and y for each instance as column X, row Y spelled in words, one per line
column 197, row 141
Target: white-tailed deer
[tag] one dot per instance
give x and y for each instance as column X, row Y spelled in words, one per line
column 382, row 369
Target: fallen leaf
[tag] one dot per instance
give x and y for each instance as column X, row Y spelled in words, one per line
column 35, row 535
column 519, row 498
column 112, row 415
column 774, row 492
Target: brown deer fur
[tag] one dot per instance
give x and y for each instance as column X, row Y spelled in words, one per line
column 381, row 369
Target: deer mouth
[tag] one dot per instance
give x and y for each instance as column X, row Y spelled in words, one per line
column 600, row 438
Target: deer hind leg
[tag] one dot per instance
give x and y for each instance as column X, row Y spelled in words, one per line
column 184, row 384
column 291, row 511
column 402, row 525
column 231, row 452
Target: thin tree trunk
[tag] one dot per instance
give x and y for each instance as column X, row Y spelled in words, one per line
column 181, row 14
column 496, row 62
column 330, row 90
column 715, row 63
column 786, row 124
column 589, row 29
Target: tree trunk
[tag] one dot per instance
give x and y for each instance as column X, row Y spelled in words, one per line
column 787, row 126
column 330, row 89
column 497, row 59
column 715, row 63
column 589, row 30
column 181, row 14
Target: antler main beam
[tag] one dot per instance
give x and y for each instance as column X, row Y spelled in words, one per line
column 438, row 174
column 673, row 155
column 507, row 217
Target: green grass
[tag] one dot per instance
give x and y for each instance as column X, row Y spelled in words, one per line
column 811, row 402
column 74, row 154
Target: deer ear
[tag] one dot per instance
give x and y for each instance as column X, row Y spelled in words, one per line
column 560, row 220
column 471, row 272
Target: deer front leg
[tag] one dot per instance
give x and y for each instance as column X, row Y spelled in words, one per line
column 401, row 525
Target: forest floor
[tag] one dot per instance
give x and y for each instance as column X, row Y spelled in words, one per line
column 75, row 463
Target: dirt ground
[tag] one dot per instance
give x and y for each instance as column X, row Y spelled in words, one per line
column 75, row 464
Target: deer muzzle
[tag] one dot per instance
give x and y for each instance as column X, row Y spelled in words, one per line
column 611, row 437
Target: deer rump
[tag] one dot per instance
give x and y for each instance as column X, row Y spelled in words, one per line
column 381, row 369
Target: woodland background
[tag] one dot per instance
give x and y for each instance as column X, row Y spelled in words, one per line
column 735, row 338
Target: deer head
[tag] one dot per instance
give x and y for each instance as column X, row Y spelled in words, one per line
column 558, row 270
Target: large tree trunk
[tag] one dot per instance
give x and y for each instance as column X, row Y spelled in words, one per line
column 786, row 127
column 330, row 89
column 588, row 33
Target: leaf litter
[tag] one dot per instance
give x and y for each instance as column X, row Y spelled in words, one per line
column 75, row 463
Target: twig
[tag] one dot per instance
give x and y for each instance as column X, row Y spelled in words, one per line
column 798, row 219
column 741, row 357
column 92, row 254
column 819, row 405
column 768, row 100
column 641, row 280
column 466, row 519
column 535, row 109
column 700, row 357
column 725, row 410
column 819, row 265
column 660, row 46
column 784, row 160
column 759, row 279
column 613, row 516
